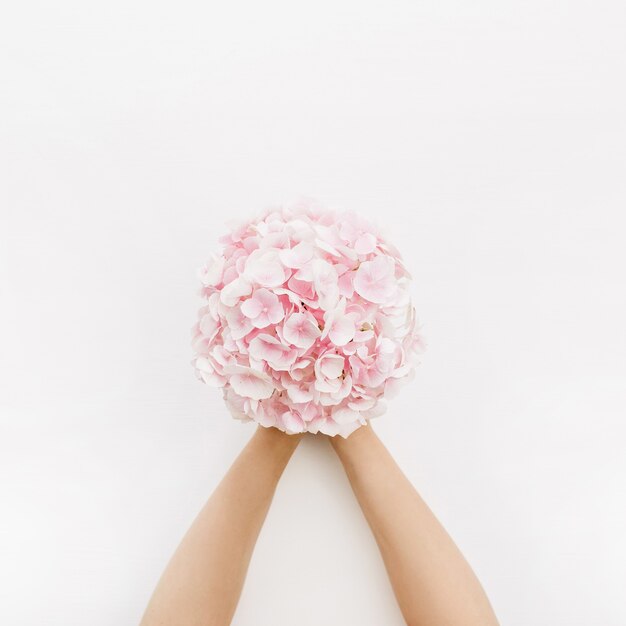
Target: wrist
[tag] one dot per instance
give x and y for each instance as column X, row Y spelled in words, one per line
column 360, row 451
column 277, row 439
column 357, row 439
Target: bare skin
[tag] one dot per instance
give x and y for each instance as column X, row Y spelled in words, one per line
column 202, row 583
column 432, row 581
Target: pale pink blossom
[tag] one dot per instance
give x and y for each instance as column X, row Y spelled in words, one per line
column 265, row 268
column 297, row 256
column 326, row 283
column 293, row 421
column 209, row 326
column 328, row 370
column 250, row 383
column 374, row 280
column 357, row 233
column 270, row 349
column 345, row 415
column 235, row 290
column 346, row 284
column 263, row 308
column 339, row 325
column 302, row 288
column 208, row 373
column 299, row 393
column 301, row 330
column 211, row 272
column 308, row 321
column 238, row 323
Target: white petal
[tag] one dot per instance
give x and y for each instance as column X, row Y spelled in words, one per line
column 297, row 394
column 345, row 430
column 297, row 256
column 235, row 290
column 211, row 273
column 345, row 416
column 332, row 365
column 327, row 247
column 342, row 331
column 379, row 408
column 250, row 385
column 293, row 422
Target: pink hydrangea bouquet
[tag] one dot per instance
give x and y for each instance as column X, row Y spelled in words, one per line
column 308, row 321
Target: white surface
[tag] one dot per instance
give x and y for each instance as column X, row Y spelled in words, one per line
column 488, row 137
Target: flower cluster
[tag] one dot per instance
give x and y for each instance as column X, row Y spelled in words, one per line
column 308, row 321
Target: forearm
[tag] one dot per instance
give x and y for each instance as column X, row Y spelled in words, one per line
column 432, row 581
column 203, row 580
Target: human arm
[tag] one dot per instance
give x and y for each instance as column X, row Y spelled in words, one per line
column 202, row 582
column 432, row 581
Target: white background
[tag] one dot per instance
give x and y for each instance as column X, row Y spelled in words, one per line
column 489, row 139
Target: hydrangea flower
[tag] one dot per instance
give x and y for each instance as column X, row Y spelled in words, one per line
column 308, row 322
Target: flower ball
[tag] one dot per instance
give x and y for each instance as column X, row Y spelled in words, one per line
column 307, row 322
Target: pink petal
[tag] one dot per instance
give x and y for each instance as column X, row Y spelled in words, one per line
column 365, row 243
column 251, row 307
column 267, row 348
column 208, row 373
column 342, row 331
column 238, row 324
column 267, row 273
column 250, row 383
column 345, row 415
column 208, row 325
column 297, row 256
column 299, row 394
column 293, row 422
column 211, row 273
column 236, row 404
column 250, row 386
column 346, row 286
column 263, row 308
column 235, row 290
column 303, row 288
column 301, row 330
column 332, row 365
column 374, row 280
